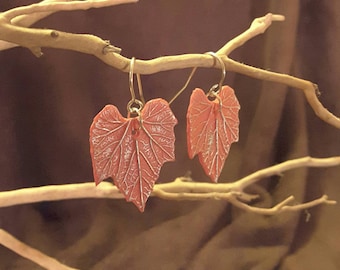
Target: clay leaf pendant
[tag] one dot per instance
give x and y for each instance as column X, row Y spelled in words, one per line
column 212, row 126
column 132, row 150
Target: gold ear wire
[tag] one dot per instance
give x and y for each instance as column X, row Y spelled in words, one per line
column 215, row 88
column 140, row 88
column 184, row 86
column 132, row 91
column 140, row 103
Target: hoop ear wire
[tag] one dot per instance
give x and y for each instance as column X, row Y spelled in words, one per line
column 132, row 90
column 135, row 105
column 214, row 90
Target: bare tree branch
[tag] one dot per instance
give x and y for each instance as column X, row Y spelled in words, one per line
column 180, row 189
column 29, row 19
column 258, row 26
column 282, row 206
column 28, row 15
column 30, row 253
column 34, row 39
column 278, row 169
column 15, row 31
column 54, row 6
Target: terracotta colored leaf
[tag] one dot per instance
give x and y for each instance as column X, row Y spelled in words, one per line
column 132, row 150
column 212, row 126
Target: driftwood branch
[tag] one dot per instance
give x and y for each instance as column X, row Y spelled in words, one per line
column 55, row 6
column 26, row 16
column 282, row 206
column 180, row 189
column 30, row 253
column 15, row 31
column 35, row 39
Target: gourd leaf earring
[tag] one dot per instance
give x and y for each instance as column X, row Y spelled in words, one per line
column 132, row 150
column 212, row 125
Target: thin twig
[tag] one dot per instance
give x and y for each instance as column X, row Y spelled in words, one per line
column 176, row 190
column 282, row 206
column 258, row 26
column 278, row 169
column 30, row 253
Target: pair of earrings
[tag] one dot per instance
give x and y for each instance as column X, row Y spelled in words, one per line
column 132, row 150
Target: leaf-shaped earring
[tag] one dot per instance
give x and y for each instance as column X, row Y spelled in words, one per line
column 212, row 125
column 132, row 150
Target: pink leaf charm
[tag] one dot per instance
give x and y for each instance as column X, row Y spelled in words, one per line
column 212, row 126
column 133, row 150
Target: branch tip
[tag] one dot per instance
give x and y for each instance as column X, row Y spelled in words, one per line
column 326, row 201
column 278, row 17
column 36, row 51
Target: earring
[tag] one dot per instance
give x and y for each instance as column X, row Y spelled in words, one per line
column 132, row 150
column 212, row 125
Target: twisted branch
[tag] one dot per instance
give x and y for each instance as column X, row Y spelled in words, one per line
column 282, row 206
column 180, row 189
column 15, row 31
column 28, row 15
column 34, row 39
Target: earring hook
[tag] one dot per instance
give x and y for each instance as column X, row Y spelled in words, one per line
column 212, row 91
column 215, row 89
column 140, row 88
column 185, row 85
column 132, row 91
column 134, row 101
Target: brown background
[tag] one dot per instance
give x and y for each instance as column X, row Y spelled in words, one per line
column 47, row 105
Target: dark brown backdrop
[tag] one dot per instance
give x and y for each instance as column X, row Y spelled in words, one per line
column 47, row 105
